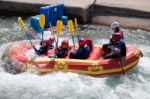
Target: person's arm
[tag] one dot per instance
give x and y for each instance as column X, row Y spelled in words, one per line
column 37, row 51
column 35, row 48
column 115, row 49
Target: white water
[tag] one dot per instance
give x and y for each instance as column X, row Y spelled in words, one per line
column 58, row 85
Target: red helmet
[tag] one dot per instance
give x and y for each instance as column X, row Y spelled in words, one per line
column 51, row 39
column 116, row 37
column 89, row 42
column 82, row 41
column 65, row 42
column 45, row 42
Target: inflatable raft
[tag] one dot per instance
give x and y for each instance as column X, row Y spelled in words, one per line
column 17, row 53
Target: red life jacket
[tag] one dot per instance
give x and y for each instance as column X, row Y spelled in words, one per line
column 120, row 33
column 117, row 37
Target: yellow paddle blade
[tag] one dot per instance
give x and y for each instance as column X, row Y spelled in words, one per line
column 22, row 24
column 70, row 26
column 42, row 20
column 59, row 26
column 76, row 23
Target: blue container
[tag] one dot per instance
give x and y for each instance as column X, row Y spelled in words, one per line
column 64, row 19
column 52, row 13
column 56, row 11
column 34, row 22
column 45, row 11
column 60, row 10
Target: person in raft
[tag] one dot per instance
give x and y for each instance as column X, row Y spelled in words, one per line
column 62, row 51
column 82, row 52
column 117, row 48
column 45, row 46
column 115, row 26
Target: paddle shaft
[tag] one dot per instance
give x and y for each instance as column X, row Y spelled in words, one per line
column 42, row 34
column 55, row 39
column 30, row 41
column 76, row 28
column 78, row 36
column 121, row 66
column 53, row 34
column 73, row 41
column 57, row 42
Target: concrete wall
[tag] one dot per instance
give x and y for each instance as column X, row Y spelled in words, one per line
column 130, row 13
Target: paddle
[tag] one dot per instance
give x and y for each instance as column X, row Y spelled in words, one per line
column 42, row 23
column 59, row 26
column 52, row 33
column 25, row 30
column 76, row 26
column 122, row 65
column 121, row 62
column 71, row 30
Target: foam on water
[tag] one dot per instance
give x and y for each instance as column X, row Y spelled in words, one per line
column 58, row 85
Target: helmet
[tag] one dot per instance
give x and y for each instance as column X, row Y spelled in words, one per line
column 82, row 41
column 116, row 37
column 51, row 39
column 65, row 42
column 44, row 42
column 89, row 42
column 115, row 24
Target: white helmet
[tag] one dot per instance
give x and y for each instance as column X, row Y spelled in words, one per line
column 115, row 24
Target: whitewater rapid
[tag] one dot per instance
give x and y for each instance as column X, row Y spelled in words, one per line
column 58, row 85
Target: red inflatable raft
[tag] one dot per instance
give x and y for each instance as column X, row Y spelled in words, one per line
column 91, row 66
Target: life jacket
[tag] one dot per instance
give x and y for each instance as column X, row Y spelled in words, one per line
column 116, row 37
column 119, row 32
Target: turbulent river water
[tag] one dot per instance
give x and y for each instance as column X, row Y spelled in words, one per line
column 58, row 85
